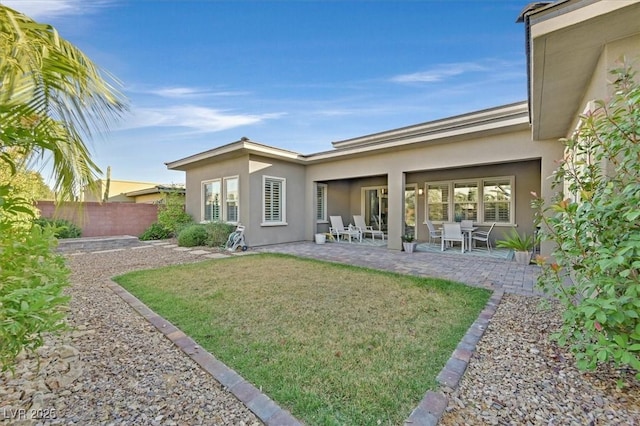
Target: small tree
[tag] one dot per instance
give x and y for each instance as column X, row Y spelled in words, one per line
column 596, row 232
column 171, row 214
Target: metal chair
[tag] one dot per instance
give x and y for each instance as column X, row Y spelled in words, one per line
column 452, row 232
column 483, row 236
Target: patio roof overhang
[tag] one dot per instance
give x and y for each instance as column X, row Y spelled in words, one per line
column 567, row 39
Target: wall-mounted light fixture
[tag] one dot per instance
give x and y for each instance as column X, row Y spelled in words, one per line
column 420, row 191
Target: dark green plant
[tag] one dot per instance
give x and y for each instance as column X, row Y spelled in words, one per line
column 171, row 214
column 408, row 238
column 596, row 231
column 513, row 240
column 62, row 228
column 192, row 236
column 32, row 277
column 155, row 232
column 218, row 233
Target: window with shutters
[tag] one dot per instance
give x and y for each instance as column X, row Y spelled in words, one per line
column 438, row 202
column 211, row 191
column 321, row 202
column 231, row 194
column 273, row 201
column 484, row 200
column 497, row 200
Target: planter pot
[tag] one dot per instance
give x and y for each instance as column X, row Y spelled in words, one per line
column 522, row 257
column 321, row 238
column 409, row 247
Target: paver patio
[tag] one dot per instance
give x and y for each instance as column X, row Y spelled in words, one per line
column 486, row 272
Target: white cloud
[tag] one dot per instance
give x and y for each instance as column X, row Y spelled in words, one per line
column 196, row 118
column 39, row 9
column 190, row 92
column 440, row 72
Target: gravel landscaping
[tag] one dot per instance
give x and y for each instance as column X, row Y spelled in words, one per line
column 517, row 377
column 115, row 368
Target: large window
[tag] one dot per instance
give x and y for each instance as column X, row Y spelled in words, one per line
column 484, row 200
column 321, row 202
column 221, row 200
column 465, row 201
column 231, row 197
column 273, row 201
column 497, row 200
column 438, row 202
column 211, row 192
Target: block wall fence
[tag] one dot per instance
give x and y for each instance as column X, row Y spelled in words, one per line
column 103, row 219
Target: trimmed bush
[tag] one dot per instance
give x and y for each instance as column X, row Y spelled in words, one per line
column 171, row 214
column 218, row 233
column 192, row 236
column 61, row 228
column 155, row 232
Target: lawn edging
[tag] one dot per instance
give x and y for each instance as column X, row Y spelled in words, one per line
column 434, row 403
column 260, row 404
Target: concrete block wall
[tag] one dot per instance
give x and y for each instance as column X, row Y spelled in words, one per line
column 103, row 219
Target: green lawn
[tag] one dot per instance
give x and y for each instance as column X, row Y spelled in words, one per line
column 334, row 344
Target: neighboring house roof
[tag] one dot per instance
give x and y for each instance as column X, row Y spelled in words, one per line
column 485, row 122
column 157, row 189
column 565, row 42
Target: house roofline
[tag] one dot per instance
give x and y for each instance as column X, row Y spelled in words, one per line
column 488, row 121
column 244, row 145
column 457, row 122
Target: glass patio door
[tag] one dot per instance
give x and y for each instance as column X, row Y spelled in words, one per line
column 376, row 206
column 410, row 211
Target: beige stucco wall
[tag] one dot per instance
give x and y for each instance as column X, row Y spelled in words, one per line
column 238, row 166
column 149, row 198
column 296, row 208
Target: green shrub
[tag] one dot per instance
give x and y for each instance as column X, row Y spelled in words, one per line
column 192, row 236
column 596, row 231
column 32, row 278
column 155, row 232
column 171, row 214
column 218, row 233
column 61, row 228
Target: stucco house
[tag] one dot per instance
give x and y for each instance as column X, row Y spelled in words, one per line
column 480, row 166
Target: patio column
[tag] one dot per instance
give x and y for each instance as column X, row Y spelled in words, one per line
column 395, row 216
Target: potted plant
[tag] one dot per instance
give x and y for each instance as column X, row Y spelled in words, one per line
column 409, row 243
column 521, row 245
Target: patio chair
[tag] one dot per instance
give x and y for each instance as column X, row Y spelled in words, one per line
column 434, row 233
column 451, row 233
column 483, row 236
column 337, row 228
column 364, row 229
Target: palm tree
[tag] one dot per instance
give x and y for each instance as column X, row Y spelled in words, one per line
column 52, row 99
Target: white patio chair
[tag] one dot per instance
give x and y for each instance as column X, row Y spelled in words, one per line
column 434, row 233
column 337, row 228
column 452, row 232
column 358, row 221
column 484, row 236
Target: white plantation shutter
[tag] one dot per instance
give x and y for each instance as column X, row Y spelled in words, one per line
column 273, row 199
column 321, row 202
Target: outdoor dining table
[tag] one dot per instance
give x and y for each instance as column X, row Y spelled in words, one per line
column 468, row 232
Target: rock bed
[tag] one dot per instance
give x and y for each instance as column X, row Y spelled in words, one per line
column 114, row 367
column 518, row 377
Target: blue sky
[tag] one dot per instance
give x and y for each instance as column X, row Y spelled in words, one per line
column 292, row 74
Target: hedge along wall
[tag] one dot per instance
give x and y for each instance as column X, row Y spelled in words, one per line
column 103, row 220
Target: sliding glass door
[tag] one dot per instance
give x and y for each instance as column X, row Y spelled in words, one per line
column 375, row 207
